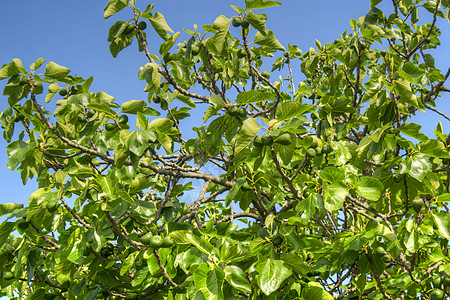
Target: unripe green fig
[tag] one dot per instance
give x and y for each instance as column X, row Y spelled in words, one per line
column 90, row 113
column 266, row 140
column 283, row 139
column 246, row 187
column 326, row 149
column 142, row 25
column 437, row 282
column 266, row 74
column 277, row 240
column 241, row 53
column 245, row 24
column 157, row 99
column 8, row 275
column 379, row 251
column 236, row 22
column 306, row 193
column 257, row 141
column 51, row 206
column 156, row 242
column 195, row 50
column 232, row 110
column 81, row 118
column 110, row 126
column 311, row 153
column 417, row 204
column 62, row 92
column 436, row 294
column 23, row 225
column 123, row 119
column 167, row 242
column 319, row 151
column 242, row 112
column 145, row 239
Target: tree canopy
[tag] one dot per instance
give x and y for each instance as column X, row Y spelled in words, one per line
column 317, row 189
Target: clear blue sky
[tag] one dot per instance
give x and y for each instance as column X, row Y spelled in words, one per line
column 73, row 34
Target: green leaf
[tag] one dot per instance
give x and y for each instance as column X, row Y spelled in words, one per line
column 296, row 263
column 258, row 21
column 272, row 273
column 56, row 71
column 64, row 271
column 8, row 70
column 268, row 40
column 222, row 24
column 412, row 240
column 369, row 188
column 125, row 196
column 434, row 148
column 17, row 152
column 374, row 3
column 413, row 130
column 403, row 88
column 6, row 208
column 209, row 282
column 139, row 140
column 149, row 72
column 332, row 174
column 416, row 166
column 37, row 64
column 290, row 109
column 442, row 222
column 315, row 291
column 342, row 152
column 411, row 72
column 334, row 194
column 118, row 39
column 107, row 186
column 217, row 101
column 256, row 4
column 113, row 7
column 160, row 25
column 237, row 279
column 253, row 96
column 133, row 106
column 247, row 133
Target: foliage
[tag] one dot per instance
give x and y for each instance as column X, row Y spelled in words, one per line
column 314, row 184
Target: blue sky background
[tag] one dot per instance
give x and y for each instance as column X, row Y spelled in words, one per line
column 73, row 34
